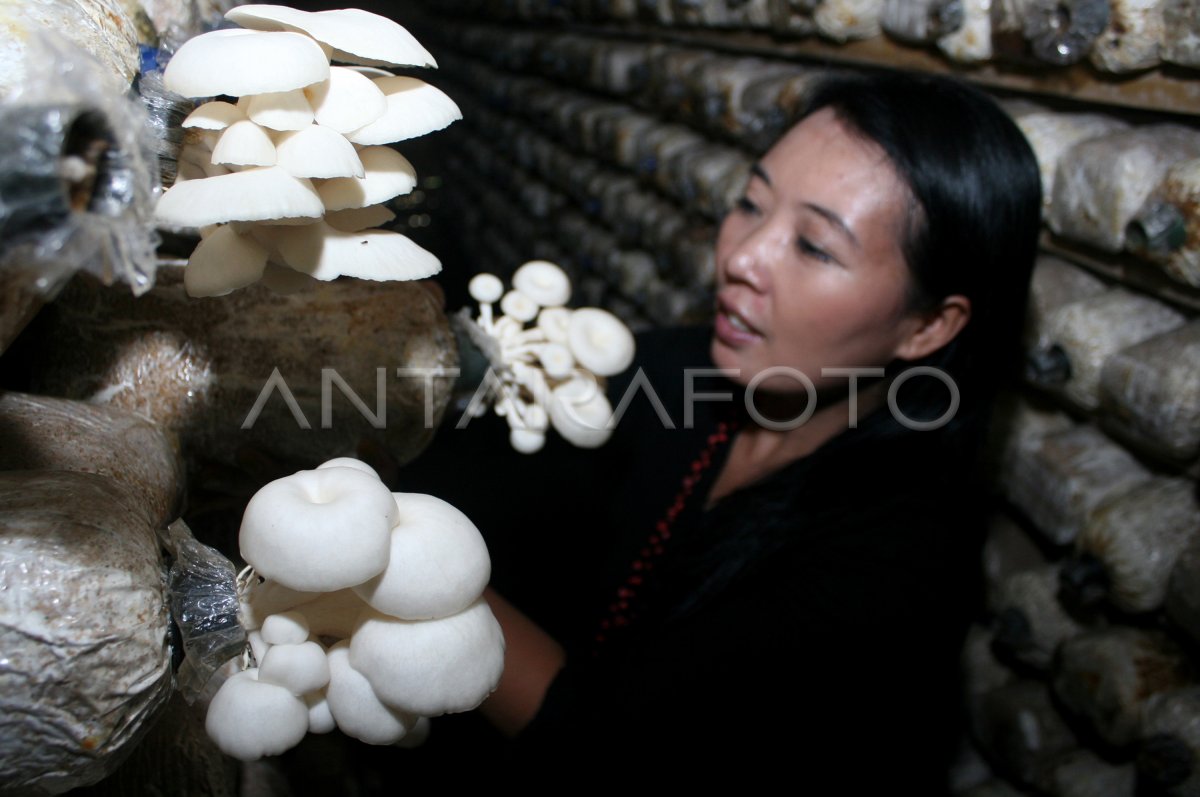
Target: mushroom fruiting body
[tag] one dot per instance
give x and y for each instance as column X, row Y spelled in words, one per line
column 438, row 564
column 298, row 118
column 547, row 373
column 249, row 719
column 375, row 40
column 325, row 656
column 398, row 658
column 599, row 341
column 242, row 62
column 319, row 530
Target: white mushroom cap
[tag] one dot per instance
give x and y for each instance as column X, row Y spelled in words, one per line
column 355, row 219
column 319, row 530
column 297, row 668
column 485, row 288
column 556, row 359
column 320, row 718
column 281, row 110
column 414, row 108
column 544, row 282
column 438, row 566
column 600, row 341
column 214, row 115
column 244, row 143
column 364, row 37
column 430, row 667
column 326, row 253
column 346, row 101
column 285, row 628
column 580, row 412
column 388, row 174
column 526, row 441
column 251, row 195
column 317, row 151
column 242, row 62
column 355, row 707
column 223, row 262
column 554, row 323
column 348, row 462
column 249, row 719
column 516, row 304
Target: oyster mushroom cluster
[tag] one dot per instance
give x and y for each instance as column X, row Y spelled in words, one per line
column 288, row 181
column 546, row 374
column 364, row 612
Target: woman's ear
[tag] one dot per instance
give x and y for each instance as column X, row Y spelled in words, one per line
column 935, row 328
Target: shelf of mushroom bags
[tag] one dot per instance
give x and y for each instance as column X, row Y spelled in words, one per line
column 1119, row 55
column 623, row 280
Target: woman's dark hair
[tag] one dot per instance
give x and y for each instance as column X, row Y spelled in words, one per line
column 977, row 190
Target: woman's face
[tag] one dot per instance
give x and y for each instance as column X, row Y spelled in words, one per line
column 810, row 273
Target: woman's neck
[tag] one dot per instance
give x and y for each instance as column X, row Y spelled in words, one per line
column 759, row 450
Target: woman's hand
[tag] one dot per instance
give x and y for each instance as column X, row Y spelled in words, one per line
column 532, row 659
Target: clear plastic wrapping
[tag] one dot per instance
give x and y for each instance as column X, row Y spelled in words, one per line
column 1170, row 744
column 1051, row 134
column 921, row 21
column 1067, row 475
column 1137, row 537
column 1064, row 31
column 43, row 433
column 971, row 43
column 221, row 372
column 83, row 624
column 842, row 20
column 1030, row 622
column 1181, row 43
column 1105, row 677
column 202, row 587
column 1088, row 332
column 1101, row 183
column 77, row 177
column 1167, row 228
column 1151, row 393
column 1133, row 38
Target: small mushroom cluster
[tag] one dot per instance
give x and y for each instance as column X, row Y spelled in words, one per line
column 363, row 611
column 546, row 375
column 289, row 183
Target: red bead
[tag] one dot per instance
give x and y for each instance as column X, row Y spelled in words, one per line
column 636, row 565
column 645, row 553
column 662, row 527
column 605, row 624
column 658, row 549
column 635, row 580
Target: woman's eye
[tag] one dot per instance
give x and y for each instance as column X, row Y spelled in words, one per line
column 746, row 206
column 809, row 249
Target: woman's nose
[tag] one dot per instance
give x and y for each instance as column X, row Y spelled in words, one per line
column 750, row 257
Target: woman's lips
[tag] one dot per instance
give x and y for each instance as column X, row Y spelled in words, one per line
column 731, row 327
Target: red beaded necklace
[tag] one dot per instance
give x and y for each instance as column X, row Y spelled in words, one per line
column 623, row 610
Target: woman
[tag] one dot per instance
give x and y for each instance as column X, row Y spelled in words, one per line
column 794, row 573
